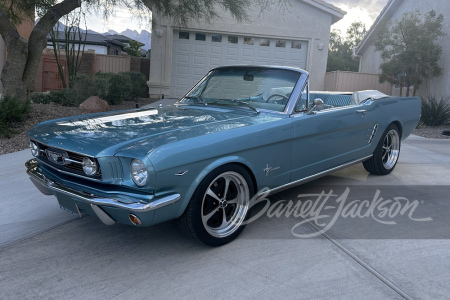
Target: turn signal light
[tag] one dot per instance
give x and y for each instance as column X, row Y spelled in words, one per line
column 135, row 220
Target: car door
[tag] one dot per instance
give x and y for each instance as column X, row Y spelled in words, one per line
column 326, row 139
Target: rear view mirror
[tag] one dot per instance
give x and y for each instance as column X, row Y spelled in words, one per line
column 248, row 77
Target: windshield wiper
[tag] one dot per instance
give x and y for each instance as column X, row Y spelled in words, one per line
column 243, row 102
column 196, row 98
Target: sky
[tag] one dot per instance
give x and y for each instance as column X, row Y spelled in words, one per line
column 123, row 19
column 365, row 11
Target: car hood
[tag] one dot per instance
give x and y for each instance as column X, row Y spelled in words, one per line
column 105, row 134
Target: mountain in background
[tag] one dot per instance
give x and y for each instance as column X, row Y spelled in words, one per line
column 60, row 27
column 144, row 37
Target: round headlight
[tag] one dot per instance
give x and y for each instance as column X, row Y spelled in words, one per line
column 34, row 148
column 139, row 172
column 89, row 166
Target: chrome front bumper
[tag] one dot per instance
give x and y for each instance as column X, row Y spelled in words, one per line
column 47, row 186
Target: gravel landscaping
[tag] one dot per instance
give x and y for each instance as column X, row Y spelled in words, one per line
column 432, row 132
column 43, row 112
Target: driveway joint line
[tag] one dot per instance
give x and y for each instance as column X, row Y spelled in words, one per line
column 366, row 266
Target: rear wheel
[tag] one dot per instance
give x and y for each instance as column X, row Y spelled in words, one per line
column 219, row 206
column 386, row 154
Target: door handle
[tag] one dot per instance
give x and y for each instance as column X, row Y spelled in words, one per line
column 363, row 111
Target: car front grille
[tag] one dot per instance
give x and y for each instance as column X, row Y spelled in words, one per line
column 68, row 162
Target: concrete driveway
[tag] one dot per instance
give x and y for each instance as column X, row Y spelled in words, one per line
column 45, row 253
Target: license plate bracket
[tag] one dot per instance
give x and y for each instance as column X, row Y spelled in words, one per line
column 69, row 206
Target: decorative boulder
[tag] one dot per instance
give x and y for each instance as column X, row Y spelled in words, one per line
column 94, row 104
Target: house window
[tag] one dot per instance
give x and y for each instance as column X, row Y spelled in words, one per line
column 232, row 39
column 115, row 52
column 264, row 42
column 183, row 35
column 216, row 38
column 248, row 41
column 296, row 45
column 200, row 37
column 280, row 44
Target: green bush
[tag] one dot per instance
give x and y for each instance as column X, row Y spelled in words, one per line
column 82, row 85
column 114, row 88
column 65, row 97
column 100, row 86
column 138, row 84
column 119, row 88
column 39, row 98
column 12, row 113
column 435, row 111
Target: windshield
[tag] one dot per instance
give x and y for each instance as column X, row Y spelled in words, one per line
column 258, row 88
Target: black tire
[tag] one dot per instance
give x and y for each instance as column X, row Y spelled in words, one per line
column 203, row 218
column 386, row 154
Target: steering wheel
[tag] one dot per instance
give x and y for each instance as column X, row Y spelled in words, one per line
column 285, row 99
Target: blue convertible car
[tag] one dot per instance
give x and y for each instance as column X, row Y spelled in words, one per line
column 239, row 130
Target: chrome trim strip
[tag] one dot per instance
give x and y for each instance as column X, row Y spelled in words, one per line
column 375, row 127
column 73, row 161
column 315, row 176
column 79, row 153
column 70, row 173
column 39, row 179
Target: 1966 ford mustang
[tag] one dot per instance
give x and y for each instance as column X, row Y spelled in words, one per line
column 239, row 130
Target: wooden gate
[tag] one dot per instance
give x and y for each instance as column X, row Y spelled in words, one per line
column 50, row 75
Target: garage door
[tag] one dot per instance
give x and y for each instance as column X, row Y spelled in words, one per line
column 195, row 53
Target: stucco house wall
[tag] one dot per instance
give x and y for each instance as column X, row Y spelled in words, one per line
column 370, row 60
column 98, row 49
column 307, row 20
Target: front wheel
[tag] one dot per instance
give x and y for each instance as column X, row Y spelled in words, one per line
column 386, row 153
column 219, row 206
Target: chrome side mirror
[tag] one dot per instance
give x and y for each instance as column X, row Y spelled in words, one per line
column 318, row 105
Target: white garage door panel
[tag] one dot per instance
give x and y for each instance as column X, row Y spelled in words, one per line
column 182, row 47
column 192, row 58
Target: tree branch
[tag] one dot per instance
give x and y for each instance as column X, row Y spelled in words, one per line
column 38, row 37
column 8, row 30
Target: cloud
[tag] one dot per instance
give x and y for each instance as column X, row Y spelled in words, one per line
column 121, row 20
column 365, row 11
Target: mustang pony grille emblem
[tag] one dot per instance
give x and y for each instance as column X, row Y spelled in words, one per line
column 56, row 157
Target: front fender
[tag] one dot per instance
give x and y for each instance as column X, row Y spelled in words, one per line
column 192, row 181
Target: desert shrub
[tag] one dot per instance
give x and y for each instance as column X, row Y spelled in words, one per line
column 65, row 97
column 82, row 85
column 119, row 88
column 39, row 98
column 114, row 88
column 12, row 113
column 435, row 110
column 100, row 86
column 138, row 84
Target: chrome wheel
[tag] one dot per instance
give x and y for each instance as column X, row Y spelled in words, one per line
column 387, row 152
column 390, row 149
column 225, row 204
